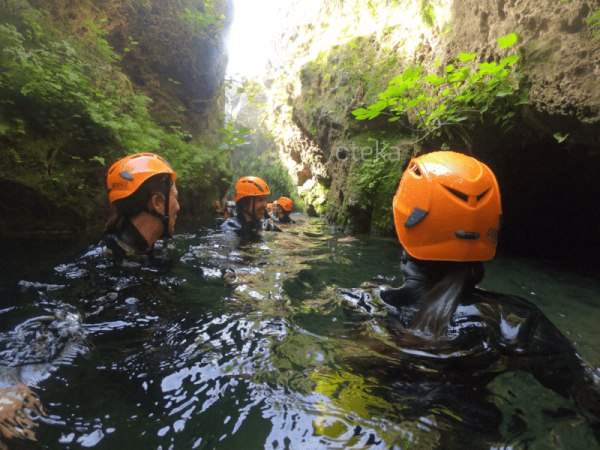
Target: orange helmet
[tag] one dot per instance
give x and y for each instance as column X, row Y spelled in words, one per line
column 447, row 208
column 286, row 203
column 127, row 175
column 250, row 187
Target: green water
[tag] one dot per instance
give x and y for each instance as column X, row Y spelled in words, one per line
column 273, row 354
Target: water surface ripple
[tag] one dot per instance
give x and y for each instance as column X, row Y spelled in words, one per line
column 276, row 342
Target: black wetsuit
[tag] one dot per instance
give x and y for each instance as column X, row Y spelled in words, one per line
column 128, row 247
column 238, row 225
column 232, row 209
column 285, row 219
column 489, row 333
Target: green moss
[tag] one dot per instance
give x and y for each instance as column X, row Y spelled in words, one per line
column 332, row 79
column 316, row 196
column 427, row 13
column 359, row 69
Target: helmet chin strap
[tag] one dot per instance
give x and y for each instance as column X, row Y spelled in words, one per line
column 164, row 217
column 166, row 233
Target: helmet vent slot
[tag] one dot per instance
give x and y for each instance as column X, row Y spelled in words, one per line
column 480, row 196
column 415, row 169
column 463, row 197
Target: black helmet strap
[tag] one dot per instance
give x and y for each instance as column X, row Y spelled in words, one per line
column 164, row 217
column 166, row 233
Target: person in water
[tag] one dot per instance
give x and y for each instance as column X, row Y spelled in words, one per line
column 462, row 194
column 446, row 331
column 251, row 205
column 228, row 209
column 282, row 209
column 143, row 205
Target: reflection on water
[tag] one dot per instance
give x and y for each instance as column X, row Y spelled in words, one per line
column 255, row 345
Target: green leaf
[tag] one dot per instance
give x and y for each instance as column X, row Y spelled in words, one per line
column 456, row 76
column 488, row 68
column 507, row 41
column 379, row 106
column 126, row 49
column 464, row 57
column 503, row 93
column 434, row 79
column 413, row 103
column 360, row 111
column 511, row 60
column 100, row 159
column 449, row 68
column 411, row 74
column 559, row 137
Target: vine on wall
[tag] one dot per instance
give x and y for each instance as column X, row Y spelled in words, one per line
column 433, row 103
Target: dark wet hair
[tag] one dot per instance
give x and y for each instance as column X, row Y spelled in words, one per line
column 242, row 204
column 451, row 281
column 137, row 202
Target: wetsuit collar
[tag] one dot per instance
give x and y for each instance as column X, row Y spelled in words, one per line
column 130, row 236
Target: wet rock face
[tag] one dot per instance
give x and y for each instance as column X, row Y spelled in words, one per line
column 560, row 63
column 560, row 52
column 174, row 62
column 174, row 66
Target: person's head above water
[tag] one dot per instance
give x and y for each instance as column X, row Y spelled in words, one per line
column 142, row 194
column 447, row 208
column 251, row 198
column 447, row 214
column 284, row 206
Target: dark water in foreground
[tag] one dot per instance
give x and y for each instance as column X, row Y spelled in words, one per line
column 263, row 357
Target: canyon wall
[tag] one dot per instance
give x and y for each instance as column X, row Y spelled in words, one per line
column 341, row 58
column 138, row 57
